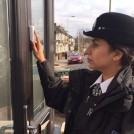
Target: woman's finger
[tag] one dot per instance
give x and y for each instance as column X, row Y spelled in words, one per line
column 34, row 46
column 37, row 37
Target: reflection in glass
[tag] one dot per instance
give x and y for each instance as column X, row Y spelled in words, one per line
column 38, row 22
column 5, row 95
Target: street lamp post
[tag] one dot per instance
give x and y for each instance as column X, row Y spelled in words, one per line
column 109, row 5
column 67, row 22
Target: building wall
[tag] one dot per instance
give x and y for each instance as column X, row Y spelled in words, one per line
column 64, row 43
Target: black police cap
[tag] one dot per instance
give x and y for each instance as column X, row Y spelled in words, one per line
column 113, row 26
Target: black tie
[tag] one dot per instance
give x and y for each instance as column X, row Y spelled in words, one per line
column 96, row 89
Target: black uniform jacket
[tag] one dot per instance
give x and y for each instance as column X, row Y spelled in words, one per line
column 110, row 113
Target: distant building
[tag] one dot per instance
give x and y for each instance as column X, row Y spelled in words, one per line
column 64, row 43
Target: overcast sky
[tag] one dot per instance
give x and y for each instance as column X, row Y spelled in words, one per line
column 85, row 12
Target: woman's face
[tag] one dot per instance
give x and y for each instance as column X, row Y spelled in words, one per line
column 100, row 55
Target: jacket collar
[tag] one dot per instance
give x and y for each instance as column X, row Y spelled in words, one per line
column 120, row 91
column 123, row 79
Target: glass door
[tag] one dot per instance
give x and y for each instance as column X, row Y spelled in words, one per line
column 5, row 86
column 38, row 22
column 41, row 113
column 22, row 103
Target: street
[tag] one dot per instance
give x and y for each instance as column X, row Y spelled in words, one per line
column 62, row 64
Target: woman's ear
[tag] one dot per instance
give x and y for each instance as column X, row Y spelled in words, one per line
column 118, row 55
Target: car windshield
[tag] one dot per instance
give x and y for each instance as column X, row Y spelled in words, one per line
column 74, row 54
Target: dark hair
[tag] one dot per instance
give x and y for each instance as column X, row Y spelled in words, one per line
column 128, row 56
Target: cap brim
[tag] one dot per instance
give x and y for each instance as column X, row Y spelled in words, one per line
column 123, row 38
column 87, row 33
column 98, row 34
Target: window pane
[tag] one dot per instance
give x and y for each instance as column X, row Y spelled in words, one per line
column 5, row 94
column 38, row 22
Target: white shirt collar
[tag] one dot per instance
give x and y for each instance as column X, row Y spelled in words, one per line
column 104, row 85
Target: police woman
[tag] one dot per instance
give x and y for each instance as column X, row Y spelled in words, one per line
column 98, row 101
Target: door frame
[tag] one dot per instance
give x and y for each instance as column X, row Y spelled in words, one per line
column 21, row 59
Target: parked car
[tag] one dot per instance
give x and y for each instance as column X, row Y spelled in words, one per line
column 75, row 57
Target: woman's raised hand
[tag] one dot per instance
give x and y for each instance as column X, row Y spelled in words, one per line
column 38, row 49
